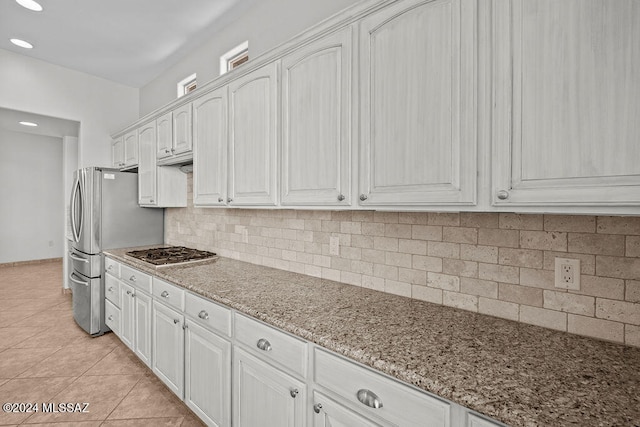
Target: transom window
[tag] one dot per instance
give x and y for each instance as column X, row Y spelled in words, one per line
column 234, row 58
column 187, row 85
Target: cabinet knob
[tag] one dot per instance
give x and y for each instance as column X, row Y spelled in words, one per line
column 363, row 197
column 264, row 345
column 185, row 326
column 110, row 288
column 176, row 321
column 503, row 194
column 173, row 150
column 229, row 200
column 317, row 407
column 164, row 294
column 110, row 317
column 340, row 197
column 132, row 278
column 203, row 315
column 110, row 267
column 369, row 398
column 151, row 201
column 167, row 151
column 128, row 292
column 294, row 392
column 220, row 200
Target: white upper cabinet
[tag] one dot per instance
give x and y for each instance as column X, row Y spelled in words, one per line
column 147, row 185
column 164, row 126
column 182, row 137
column 117, row 153
column 418, row 113
column 316, row 122
column 253, row 137
column 131, row 149
column 210, row 149
column 566, row 103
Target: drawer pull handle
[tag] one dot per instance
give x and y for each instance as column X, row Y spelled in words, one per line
column 294, row 392
column 164, row 294
column 263, row 344
column 317, row 407
column 369, row 398
column 203, row 315
column 132, row 278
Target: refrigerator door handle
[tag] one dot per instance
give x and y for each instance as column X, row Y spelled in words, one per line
column 81, row 192
column 72, row 210
column 75, row 258
column 79, row 282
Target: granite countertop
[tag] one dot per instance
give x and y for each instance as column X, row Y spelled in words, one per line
column 520, row 374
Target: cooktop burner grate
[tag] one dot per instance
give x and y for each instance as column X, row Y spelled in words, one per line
column 170, row 255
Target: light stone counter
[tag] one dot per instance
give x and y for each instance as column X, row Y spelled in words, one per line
column 519, row 374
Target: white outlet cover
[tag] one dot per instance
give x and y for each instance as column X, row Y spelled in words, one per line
column 575, row 265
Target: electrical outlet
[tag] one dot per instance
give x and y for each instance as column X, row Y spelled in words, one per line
column 334, row 245
column 567, row 273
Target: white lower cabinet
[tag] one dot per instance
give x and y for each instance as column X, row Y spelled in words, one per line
column 207, row 382
column 265, row 396
column 231, row 369
column 127, row 309
column 168, row 347
column 142, row 327
column 329, row 413
column 377, row 396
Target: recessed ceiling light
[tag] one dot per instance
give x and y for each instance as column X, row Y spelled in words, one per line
column 30, row 4
column 21, row 43
column 28, row 124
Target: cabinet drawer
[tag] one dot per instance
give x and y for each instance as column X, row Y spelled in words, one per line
column 168, row 294
column 112, row 267
column 271, row 344
column 135, row 278
column 400, row 404
column 208, row 314
column 112, row 317
column 112, row 289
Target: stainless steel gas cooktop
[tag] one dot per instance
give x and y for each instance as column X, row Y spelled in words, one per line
column 171, row 255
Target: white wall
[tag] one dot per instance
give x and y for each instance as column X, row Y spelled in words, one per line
column 265, row 25
column 31, row 197
column 102, row 107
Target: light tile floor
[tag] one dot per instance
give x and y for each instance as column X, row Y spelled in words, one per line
column 45, row 357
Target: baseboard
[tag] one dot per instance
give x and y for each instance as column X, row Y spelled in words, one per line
column 30, row 262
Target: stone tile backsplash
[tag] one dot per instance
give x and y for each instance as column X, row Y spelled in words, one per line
column 496, row 264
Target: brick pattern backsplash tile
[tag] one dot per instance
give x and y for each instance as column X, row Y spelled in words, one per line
column 499, row 264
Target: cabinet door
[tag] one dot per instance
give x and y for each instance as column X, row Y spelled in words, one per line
column 265, row 396
column 131, row 148
column 168, row 347
column 210, row 149
column 127, row 309
column 117, row 153
column 566, row 103
column 316, row 130
column 182, row 130
column 207, row 375
column 142, row 328
column 147, row 185
column 328, row 413
column 253, row 131
column 418, row 112
column 164, row 126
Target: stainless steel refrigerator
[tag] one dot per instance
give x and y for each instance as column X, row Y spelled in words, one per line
column 104, row 214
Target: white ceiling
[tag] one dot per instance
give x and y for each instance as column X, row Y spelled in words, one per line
column 47, row 126
column 126, row 41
